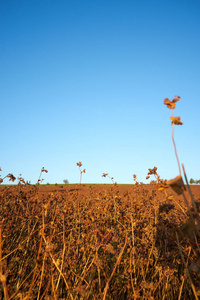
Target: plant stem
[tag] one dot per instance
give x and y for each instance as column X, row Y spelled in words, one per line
column 175, row 149
column 186, row 268
column 192, row 198
column 80, row 175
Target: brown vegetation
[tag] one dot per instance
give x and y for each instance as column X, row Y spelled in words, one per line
column 97, row 242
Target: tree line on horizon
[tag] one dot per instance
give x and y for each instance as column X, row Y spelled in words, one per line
column 192, row 181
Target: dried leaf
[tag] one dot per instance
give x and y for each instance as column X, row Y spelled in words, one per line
column 104, row 174
column 176, row 98
column 11, row 177
column 176, row 120
column 177, row 184
column 170, row 104
column 79, row 164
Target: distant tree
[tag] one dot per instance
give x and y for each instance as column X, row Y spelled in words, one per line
column 192, row 181
column 66, row 181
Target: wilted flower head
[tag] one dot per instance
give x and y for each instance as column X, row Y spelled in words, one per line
column 171, row 104
column 105, row 174
column 79, row 164
column 20, row 179
column 135, row 179
column 43, row 170
column 152, row 171
column 11, row 177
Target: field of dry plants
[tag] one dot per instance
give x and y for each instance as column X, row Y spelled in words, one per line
column 97, row 242
column 101, row 241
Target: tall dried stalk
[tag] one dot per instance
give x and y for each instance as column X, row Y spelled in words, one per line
column 186, row 268
column 2, row 275
column 175, row 149
column 114, row 269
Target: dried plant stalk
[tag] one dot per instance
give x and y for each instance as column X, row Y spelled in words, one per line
column 2, row 276
column 193, row 202
column 186, row 268
column 56, row 265
column 114, row 269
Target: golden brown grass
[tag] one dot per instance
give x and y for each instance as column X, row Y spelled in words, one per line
column 90, row 242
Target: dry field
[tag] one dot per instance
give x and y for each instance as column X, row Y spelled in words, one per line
column 97, row 242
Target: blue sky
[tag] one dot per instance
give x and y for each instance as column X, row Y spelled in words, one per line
column 85, row 80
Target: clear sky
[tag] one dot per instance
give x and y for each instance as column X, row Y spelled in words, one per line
column 85, row 80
